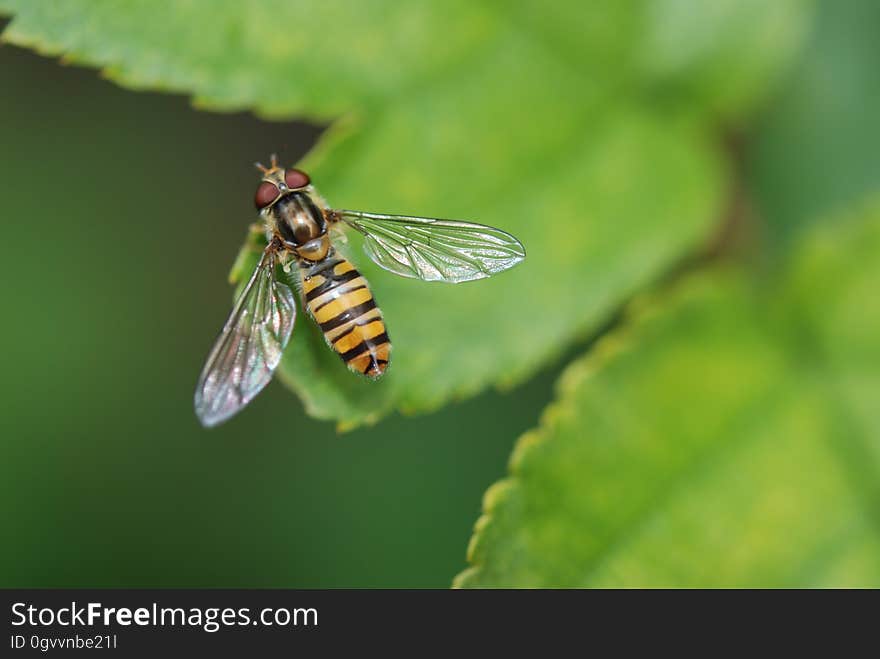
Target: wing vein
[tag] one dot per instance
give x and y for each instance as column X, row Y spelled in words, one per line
column 249, row 347
column 433, row 249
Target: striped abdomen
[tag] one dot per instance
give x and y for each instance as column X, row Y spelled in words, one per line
column 340, row 301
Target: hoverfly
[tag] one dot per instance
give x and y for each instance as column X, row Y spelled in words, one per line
column 297, row 223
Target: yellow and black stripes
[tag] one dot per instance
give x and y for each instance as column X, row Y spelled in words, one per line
column 339, row 299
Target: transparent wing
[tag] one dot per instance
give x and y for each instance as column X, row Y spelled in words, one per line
column 435, row 250
column 249, row 347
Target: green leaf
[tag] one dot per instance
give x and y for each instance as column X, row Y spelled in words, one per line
column 597, row 225
column 818, row 148
column 548, row 125
column 728, row 437
column 316, row 59
column 722, row 55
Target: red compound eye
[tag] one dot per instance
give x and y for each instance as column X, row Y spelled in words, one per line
column 266, row 193
column 296, row 179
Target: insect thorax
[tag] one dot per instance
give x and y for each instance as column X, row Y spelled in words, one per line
column 301, row 225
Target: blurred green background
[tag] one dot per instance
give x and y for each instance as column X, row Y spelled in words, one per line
column 122, row 214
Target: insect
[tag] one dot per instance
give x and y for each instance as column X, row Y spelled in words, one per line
column 297, row 223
